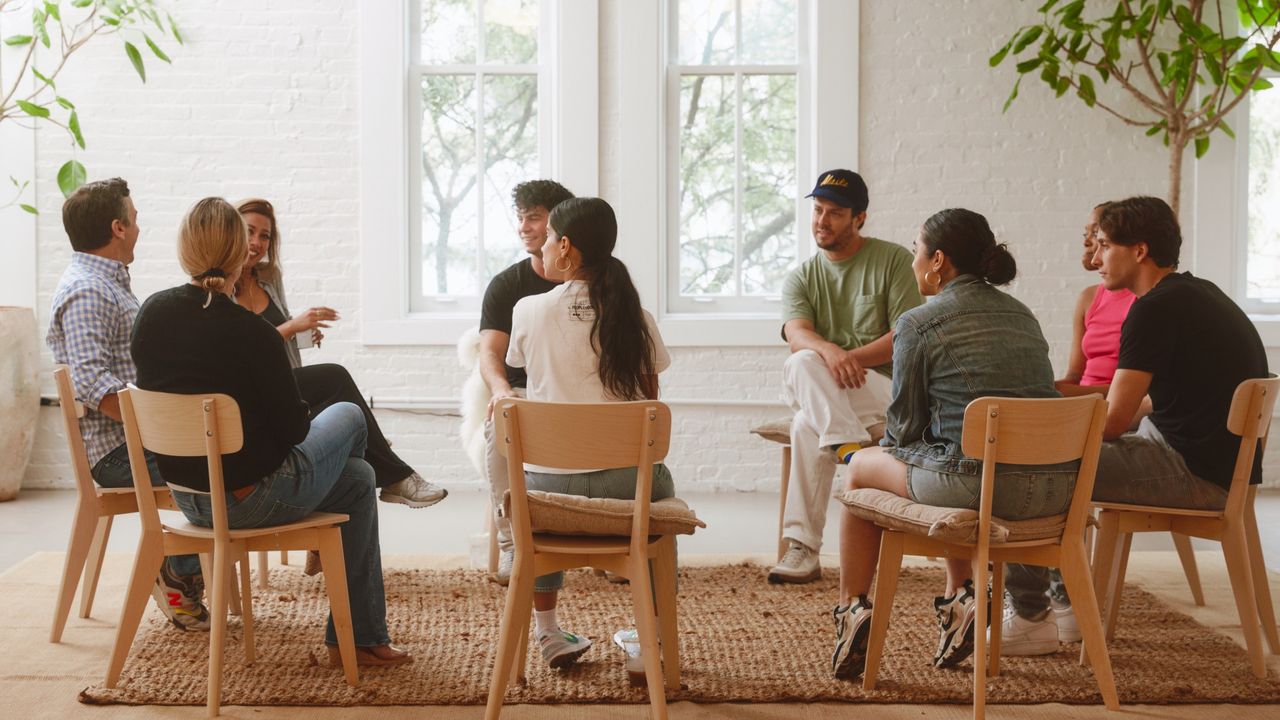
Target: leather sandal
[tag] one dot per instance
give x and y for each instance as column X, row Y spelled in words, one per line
column 378, row 656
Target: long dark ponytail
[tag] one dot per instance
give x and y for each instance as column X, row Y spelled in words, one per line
column 619, row 333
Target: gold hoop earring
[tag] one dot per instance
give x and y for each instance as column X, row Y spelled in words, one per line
column 568, row 264
column 932, row 283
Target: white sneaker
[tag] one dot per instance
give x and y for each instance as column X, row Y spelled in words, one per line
column 798, row 565
column 629, row 641
column 505, row 560
column 561, row 647
column 413, row 491
column 1022, row 637
column 1065, row 616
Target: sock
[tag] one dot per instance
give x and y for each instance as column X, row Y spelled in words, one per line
column 544, row 621
column 845, row 451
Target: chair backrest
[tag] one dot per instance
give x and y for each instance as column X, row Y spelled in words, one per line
column 72, row 410
column 1038, row 431
column 1250, row 418
column 582, row 436
column 181, row 426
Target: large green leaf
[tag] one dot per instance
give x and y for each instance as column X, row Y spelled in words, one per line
column 135, row 57
column 1086, row 91
column 34, row 110
column 1202, row 146
column 29, row 208
column 156, row 49
column 71, row 176
column 73, row 124
column 1028, row 37
column 17, row 40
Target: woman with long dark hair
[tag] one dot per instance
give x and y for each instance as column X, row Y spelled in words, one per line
column 971, row 340
column 587, row 340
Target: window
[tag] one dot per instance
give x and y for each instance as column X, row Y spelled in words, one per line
column 480, row 131
column 461, row 100
column 735, row 84
column 1261, row 270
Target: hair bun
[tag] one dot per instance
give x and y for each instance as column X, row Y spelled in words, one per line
column 997, row 264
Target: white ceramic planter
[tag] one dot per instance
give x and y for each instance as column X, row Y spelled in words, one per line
column 19, row 395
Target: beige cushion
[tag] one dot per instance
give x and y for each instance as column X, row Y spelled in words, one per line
column 779, row 430
column 578, row 515
column 946, row 524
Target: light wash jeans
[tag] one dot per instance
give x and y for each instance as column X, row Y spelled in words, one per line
column 113, row 471
column 617, row 483
column 324, row 472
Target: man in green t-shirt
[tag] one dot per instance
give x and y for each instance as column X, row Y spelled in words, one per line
column 839, row 309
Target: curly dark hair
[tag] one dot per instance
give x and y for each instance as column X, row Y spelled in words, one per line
column 87, row 215
column 1147, row 220
column 534, row 193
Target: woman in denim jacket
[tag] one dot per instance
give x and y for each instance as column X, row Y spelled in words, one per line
column 970, row 340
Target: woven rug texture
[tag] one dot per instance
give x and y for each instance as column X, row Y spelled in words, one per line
column 742, row 640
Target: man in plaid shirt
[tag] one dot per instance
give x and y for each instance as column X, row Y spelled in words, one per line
column 89, row 328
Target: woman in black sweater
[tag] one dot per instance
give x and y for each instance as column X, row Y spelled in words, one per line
column 194, row 339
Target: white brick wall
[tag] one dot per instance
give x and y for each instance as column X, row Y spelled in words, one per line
column 263, row 102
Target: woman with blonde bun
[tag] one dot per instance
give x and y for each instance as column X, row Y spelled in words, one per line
column 195, row 339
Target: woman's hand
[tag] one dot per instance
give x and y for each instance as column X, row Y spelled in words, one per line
column 312, row 319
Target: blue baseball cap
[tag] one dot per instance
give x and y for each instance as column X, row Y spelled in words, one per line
column 842, row 187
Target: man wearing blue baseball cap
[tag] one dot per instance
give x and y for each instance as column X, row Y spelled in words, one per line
column 839, row 309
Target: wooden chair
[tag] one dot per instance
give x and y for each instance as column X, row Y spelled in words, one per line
column 209, row 426
column 1017, row 431
column 1235, row 526
column 96, row 508
column 620, row 435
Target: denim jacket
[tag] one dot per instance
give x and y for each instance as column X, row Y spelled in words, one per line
column 969, row 341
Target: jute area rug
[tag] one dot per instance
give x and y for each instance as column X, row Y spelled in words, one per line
column 742, row 640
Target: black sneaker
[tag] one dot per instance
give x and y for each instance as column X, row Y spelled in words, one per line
column 853, row 630
column 179, row 598
column 955, row 626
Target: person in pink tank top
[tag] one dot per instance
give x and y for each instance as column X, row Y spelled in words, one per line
column 1099, row 313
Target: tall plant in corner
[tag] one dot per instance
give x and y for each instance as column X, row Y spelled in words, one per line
column 1173, row 58
column 30, row 96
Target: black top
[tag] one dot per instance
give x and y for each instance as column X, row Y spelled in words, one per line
column 181, row 347
column 500, row 298
column 273, row 314
column 1198, row 345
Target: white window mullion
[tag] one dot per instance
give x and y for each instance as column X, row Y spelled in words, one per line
column 479, row 186
column 737, row 179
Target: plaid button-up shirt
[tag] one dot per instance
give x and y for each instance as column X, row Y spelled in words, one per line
column 89, row 329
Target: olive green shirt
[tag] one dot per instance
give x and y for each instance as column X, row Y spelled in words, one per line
column 855, row 301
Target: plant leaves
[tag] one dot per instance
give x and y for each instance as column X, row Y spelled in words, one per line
column 17, row 40
column 999, row 56
column 29, row 208
column 1226, row 129
column 1027, row 38
column 73, row 124
column 71, row 176
column 46, row 80
column 135, row 57
column 1027, row 66
column 65, row 103
column 81, row 3
column 1202, row 146
column 34, row 110
column 52, row 9
column 173, row 26
column 1012, row 96
column 1086, row 92
column 156, row 49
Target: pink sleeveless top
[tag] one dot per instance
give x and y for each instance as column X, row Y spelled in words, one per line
column 1101, row 341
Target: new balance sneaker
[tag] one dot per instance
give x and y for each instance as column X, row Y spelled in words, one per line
column 1065, row 616
column 178, row 597
column 506, row 559
column 853, row 630
column 1022, row 637
column 413, row 491
column 844, row 453
column 798, row 565
column 629, row 641
column 560, row 648
column 955, row 626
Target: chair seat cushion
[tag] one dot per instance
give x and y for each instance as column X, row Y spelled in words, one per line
column 779, row 430
column 577, row 515
column 957, row 525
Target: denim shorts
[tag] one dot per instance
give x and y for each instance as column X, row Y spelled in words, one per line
column 1021, row 491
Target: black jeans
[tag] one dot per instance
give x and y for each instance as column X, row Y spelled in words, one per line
column 325, row 384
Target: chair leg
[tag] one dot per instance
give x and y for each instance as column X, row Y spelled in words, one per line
column 93, row 565
column 1115, row 588
column 223, row 569
column 146, row 566
column 980, row 623
column 519, row 600
column 664, row 582
column 1236, row 551
column 980, row 639
column 524, row 625
column 1104, row 552
column 335, row 583
column 1075, row 574
column 889, row 566
column 263, row 571
column 233, row 588
column 1187, row 555
column 783, row 485
column 647, row 629
column 284, row 557
column 246, row 607
column 1261, row 584
column 84, row 529
column 491, row 527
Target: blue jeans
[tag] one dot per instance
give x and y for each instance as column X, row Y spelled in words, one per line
column 618, row 483
column 113, row 471
column 324, row 472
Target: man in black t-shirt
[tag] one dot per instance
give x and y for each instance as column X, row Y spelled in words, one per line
column 1186, row 346
column 534, row 201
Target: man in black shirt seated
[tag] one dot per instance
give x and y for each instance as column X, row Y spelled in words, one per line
column 534, row 200
column 1187, row 346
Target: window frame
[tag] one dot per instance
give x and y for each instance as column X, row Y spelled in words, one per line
column 389, row 149
column 1259, row 309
